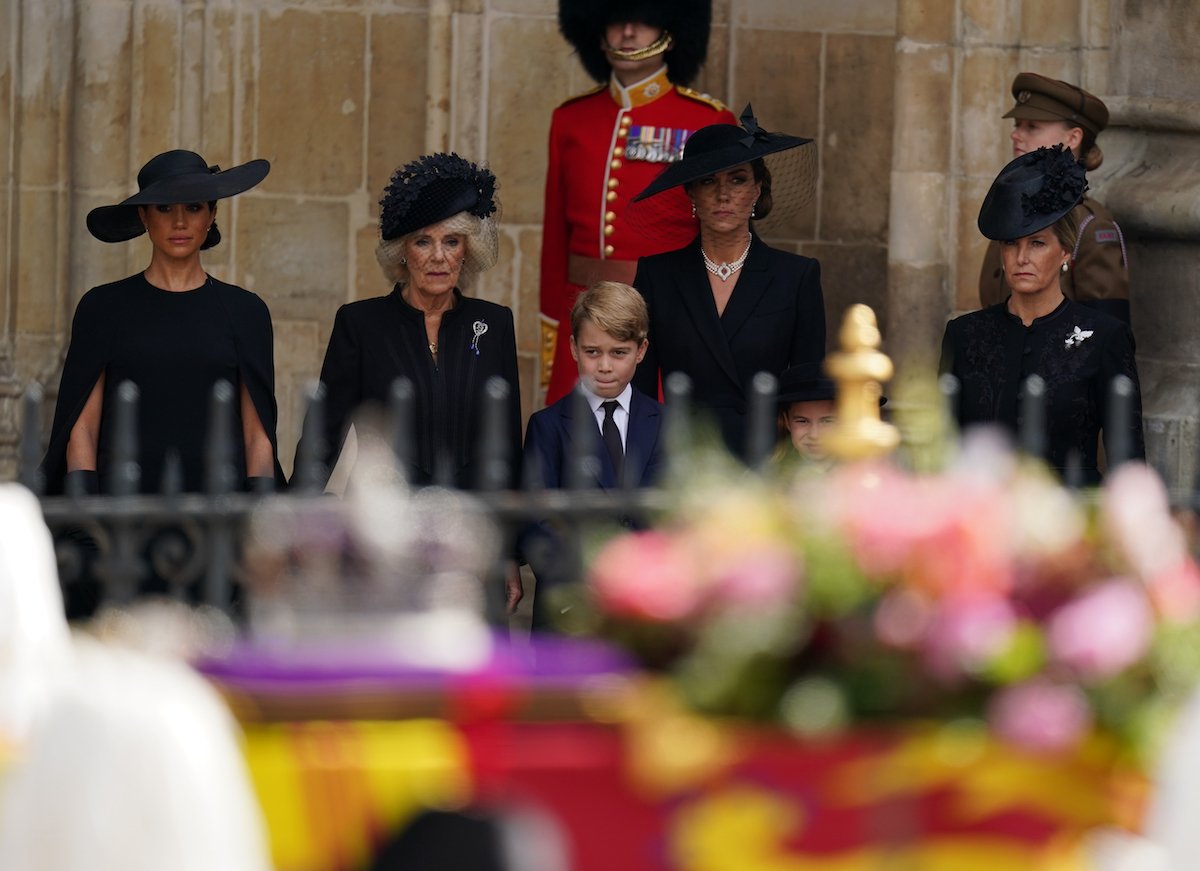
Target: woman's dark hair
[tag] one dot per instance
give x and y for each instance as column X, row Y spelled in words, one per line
column 762, row 175
column 214, row 235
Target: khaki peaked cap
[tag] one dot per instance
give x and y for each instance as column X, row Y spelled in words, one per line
column 1040, row 98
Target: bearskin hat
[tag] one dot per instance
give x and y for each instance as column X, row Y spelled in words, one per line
column 582, row 24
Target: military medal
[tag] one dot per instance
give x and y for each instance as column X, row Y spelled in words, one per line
column 656, row 144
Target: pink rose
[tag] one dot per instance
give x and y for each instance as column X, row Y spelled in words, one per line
column 967, row 633
column 1176, row 592
column 1102, row 631
column 765, row 576
column 946, row 535
column 647, row 576
column 1040, row 715
column 1137, row 515
column 902, row 618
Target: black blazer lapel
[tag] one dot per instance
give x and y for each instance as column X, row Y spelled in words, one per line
column 748, row 293
column 689, row 280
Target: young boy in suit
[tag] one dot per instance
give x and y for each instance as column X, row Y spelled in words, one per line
column 623, row 446
column 609, row 323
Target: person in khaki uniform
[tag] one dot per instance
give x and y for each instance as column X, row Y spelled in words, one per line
column 1048, row 111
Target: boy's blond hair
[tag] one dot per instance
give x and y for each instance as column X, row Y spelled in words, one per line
column 614, row 307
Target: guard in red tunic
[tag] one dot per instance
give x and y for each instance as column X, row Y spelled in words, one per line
column 608, row 144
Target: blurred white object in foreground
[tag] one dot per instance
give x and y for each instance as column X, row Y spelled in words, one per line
column 35, row 643
column 119, row 761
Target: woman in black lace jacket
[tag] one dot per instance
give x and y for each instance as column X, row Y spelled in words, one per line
column 1076, row 350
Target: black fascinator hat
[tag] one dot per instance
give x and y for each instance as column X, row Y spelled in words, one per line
column 1031, row 193
column 582, row 24
column 173, row 177
column 433, row 188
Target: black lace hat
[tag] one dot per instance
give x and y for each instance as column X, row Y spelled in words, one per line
column 1031, row 193
column 172, row 177
column 433, row 188
column 582, row 24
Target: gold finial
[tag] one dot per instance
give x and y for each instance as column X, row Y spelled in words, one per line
column 858, row 368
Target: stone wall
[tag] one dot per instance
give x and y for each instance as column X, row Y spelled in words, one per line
column 903, row 98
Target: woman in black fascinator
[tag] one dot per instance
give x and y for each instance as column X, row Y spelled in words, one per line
column 1075, row 349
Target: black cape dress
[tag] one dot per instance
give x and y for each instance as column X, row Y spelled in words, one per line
column 1076, row 349
column 174, row 346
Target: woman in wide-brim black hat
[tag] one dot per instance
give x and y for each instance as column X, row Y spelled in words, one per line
column 173, row 332
column 437, row 231
column 728, row 305
column 1076, row 350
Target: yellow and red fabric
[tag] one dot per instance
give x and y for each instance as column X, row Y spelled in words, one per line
column 938, row 798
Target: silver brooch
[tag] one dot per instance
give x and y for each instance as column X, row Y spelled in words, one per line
column 480, row 327
column 1077, row 337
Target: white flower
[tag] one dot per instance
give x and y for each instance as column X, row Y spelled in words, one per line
column 1077, row 337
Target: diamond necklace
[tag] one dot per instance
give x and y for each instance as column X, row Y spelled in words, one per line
column 724, row 270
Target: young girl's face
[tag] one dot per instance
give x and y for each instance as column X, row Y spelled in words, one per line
column 805, row 422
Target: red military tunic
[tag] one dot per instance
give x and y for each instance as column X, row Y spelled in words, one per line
column 605, row 147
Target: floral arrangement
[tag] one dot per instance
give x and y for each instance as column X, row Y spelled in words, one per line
column 868, row 594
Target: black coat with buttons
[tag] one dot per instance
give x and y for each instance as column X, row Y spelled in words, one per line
column 1076, row 350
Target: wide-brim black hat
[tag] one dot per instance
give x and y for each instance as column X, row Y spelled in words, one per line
column 431, row 189
column 807, row 382
column 172, row 177
column 719, row 147
column 582, row 24
column 1031, row 193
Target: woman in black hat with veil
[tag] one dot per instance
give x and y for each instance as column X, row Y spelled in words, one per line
column 1075, row 349
column 437, row 230
column 173, row 331
column 729, row 306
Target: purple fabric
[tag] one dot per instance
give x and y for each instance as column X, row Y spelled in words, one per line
column 550, row 661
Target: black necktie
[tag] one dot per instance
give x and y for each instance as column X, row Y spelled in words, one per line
column 612, row 436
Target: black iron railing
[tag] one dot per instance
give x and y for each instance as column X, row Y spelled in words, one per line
column 114, row 546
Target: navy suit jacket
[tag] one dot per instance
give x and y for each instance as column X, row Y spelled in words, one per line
column 551, row 433
column 549, row 438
